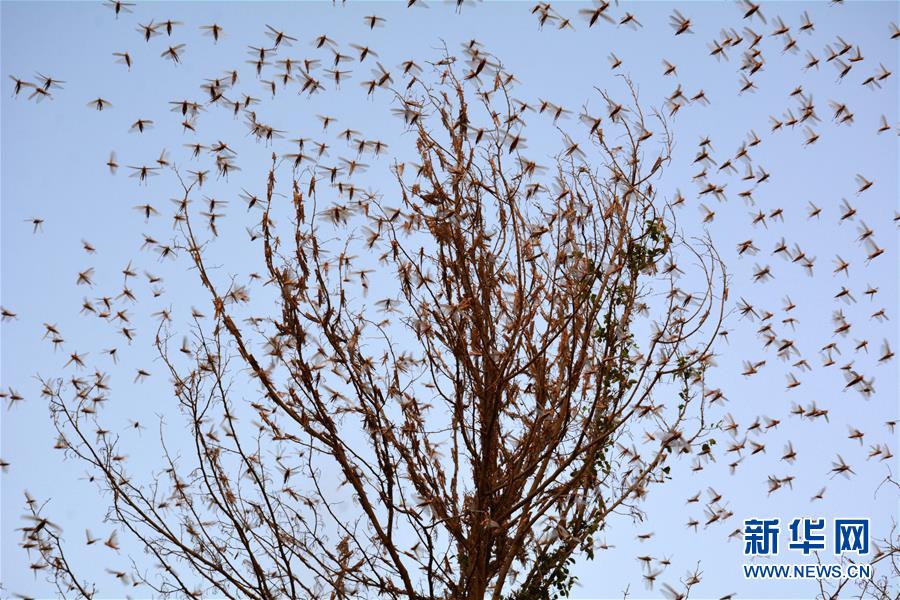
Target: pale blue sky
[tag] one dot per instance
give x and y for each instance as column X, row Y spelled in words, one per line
column 53, row 166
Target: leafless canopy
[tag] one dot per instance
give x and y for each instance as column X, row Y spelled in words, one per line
column 532, row 364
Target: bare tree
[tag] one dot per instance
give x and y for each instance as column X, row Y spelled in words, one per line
column 533, row 364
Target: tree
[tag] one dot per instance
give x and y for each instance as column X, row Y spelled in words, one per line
column 534, row 365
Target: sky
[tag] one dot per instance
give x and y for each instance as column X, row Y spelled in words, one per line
column 53, row 167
